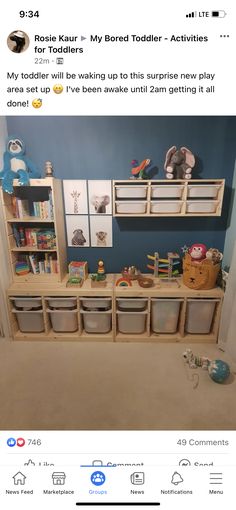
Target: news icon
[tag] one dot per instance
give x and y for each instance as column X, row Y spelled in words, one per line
column 137, row 478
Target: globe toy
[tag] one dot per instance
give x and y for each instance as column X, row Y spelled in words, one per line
column 218, row 370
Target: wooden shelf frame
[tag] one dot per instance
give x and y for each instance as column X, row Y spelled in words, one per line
column 182, row 200
column 43, row 186
column 160, row 290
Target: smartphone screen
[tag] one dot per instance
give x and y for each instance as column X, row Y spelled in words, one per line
column 118, row 259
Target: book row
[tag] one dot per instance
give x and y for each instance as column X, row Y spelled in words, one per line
column 36, row 264
column 43, row 239
column 25, row 208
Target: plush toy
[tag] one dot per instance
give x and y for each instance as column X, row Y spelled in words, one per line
column 195, row 361
column 16, row 165
column 214, row 255
column 179, row 163
column 218, row 370
column 198, row 252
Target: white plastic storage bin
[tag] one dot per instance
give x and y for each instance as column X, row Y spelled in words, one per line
column 27, row 303
column 132, row 322
column 97, row 303
column 201, row 206
column 131, row 304
column 131, row 207
column 199, row 315
column 62, row 302
column 63, row 321
column 166, row 206
column 131, row 191
column 203, row 190
column 96, row 322
column 165, row 315
column 30, row 322
column 165, row 191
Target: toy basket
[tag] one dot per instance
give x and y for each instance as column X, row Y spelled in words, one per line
column 201, row 275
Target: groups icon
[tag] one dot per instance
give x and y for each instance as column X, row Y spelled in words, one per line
column 98, row 478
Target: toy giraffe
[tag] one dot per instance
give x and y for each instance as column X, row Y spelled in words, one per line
column 75, row 195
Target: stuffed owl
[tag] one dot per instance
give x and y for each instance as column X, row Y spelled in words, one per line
column 16, row 165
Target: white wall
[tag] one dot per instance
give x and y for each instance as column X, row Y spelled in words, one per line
column 227, row 337
column 230, row 237
column 5, row 269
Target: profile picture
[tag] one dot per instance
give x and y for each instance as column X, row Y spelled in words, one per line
column 18, row 41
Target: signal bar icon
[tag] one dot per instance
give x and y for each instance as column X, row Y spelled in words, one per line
column 191, row 14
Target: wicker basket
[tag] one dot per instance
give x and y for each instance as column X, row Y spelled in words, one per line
column 201, row 275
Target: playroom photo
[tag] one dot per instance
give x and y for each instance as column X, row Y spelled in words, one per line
column 117, row 289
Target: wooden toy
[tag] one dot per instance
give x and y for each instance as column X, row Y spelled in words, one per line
column 123, row 282
column 131, row 273
column 101, row 268
column 98, row 279
column 74, row 281
column 164, row 268
column 48, row 169
column 145, row 282
column 22, row 268
column 138, row 171
column 78, row 269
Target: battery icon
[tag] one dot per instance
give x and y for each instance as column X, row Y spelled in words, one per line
column 218, row 14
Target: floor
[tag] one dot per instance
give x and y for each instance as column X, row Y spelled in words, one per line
column 103, row 386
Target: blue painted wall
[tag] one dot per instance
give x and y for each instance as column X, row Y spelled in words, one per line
column 103, row 148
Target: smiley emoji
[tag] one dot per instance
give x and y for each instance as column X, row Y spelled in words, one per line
column 58, row 88
column 37, row 103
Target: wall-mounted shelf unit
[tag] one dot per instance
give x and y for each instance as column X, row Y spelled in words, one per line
column 167, row 312
column 35, row 230
column 159, row 198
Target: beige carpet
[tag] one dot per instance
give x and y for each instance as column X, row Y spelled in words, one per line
column 74, row 386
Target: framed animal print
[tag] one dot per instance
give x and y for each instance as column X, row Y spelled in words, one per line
column 101, row 231
column 100, row 197
column 77, row 228
column 75, row 196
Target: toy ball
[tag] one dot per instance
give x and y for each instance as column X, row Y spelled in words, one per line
column 218, row 370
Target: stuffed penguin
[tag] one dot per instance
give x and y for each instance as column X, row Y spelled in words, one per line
column 16, row 165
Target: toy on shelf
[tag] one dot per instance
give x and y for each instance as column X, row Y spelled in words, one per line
column 99, row 278
column 16, row 165
column 21, row 268
column 78, row 269
column 74, row 281
column 179, row 163
column 131, row 273
column 78, row 272
column 145, row 282
column 218, row 370
column 165, row 268
column 197, row 252
column 214, row 255
column 138, row 171
column 123, row 282
column 201, row 267
column 48, row 169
